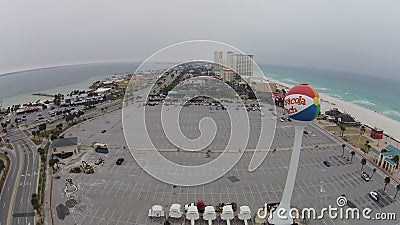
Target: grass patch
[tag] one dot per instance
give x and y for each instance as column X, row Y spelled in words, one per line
column 8, row 146
column 5, row 158
column 36, row 142
column 358, row 141
column 349, row 129
column 42, row 179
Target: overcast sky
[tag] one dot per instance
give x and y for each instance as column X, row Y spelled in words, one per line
column 361, row 36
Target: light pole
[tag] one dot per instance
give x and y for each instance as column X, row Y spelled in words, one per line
column 302, row 106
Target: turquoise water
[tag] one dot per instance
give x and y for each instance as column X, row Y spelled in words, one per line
column 369, row 92
column 376, row 94
column 17, row 88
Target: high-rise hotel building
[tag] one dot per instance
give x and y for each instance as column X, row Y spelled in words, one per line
column 218, row 59
column 242, row 64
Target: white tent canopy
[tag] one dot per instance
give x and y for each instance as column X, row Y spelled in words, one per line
column 227, row 214
column 156, row 211
column 209, row 214
column 244, row 213
column 175, row 211
column 192, row 214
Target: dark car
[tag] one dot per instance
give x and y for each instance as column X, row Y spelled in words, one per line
column 327, row 163
column 120, row 161
column 103, row 131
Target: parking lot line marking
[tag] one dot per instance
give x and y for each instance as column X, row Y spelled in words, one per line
column 156, row 191
column 95, row 214
column 140, row 192
column 129, row 217
column 112, row 214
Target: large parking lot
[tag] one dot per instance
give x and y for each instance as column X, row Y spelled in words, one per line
column 123, row 194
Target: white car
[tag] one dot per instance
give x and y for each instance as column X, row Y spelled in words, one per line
column 365, row 176
column 374, row 195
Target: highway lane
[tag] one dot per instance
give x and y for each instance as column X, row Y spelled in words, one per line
column 23, row 212
column 5, row 196
column 21, row 182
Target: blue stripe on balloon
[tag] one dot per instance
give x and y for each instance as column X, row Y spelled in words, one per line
column 307, row 114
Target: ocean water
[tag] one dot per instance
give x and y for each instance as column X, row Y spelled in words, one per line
column 373, row 93
column 18, row 87
column 377, row 94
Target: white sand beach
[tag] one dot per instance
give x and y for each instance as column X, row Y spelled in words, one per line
column 365, row 116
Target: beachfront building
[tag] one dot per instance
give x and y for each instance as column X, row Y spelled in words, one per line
column 260, row 84
column 64, row 147
column 384, row 159
column 376, row 133
column 243, row 64
column 341, row 119
column 218, row 60
column 228, row 75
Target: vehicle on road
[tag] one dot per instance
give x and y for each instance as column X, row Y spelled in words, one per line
column 374, row 195
column 327, row 163
column 103, row 131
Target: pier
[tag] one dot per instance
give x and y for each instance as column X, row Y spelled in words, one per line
column 43, row 94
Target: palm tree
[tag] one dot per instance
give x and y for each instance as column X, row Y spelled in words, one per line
column 343, row 129
column 352, row 155
column 387, row 181
column 369, row 148
column 343, row 146
column 363, row 162
column 373, row 172
column 397, row 190
column 396, row 159
column 362, row 130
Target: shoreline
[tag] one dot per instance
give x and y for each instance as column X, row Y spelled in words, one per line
column 31, row 97
column 365, row 116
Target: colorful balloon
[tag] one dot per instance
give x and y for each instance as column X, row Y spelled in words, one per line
column 302, row 103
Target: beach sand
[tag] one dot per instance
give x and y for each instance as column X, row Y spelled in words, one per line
column 365, row 116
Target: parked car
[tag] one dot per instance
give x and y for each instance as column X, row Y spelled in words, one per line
column 327, row 163
column 365, row 176
column 120, row 161
column 103, row 131
column 374, row 195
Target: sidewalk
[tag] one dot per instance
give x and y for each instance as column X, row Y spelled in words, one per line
column 359, row 152
column 48, row 217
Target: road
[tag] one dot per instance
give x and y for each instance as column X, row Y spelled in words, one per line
column 21, row 182
column 5, row 196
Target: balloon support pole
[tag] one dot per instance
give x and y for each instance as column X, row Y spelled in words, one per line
column 281, row 215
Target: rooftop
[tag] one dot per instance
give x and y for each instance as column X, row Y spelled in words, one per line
column 64, row 142
column 391, row 150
